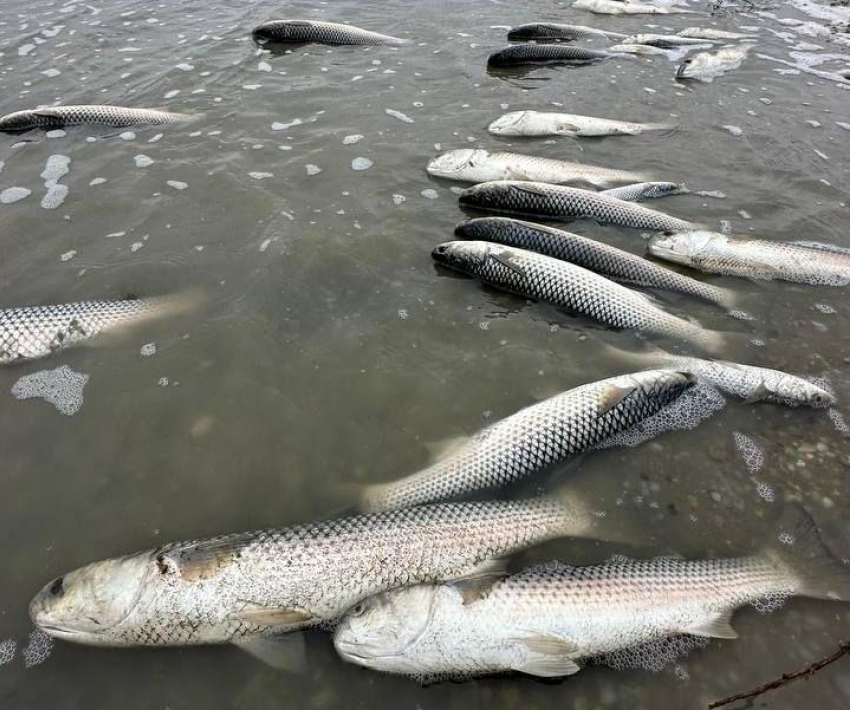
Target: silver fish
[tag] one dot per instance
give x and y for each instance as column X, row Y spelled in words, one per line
column 477, row 166
column 553, row 30
column 710, row 33
column 665, row 41
column 716, row 253
column 545, row 620
column 319, row 33
column 534, row 439
column 249, row 588
column 557, row 202
column 646, row 191
column 643, row 50
column 570, row 287
column 618, row 7
column 707, row 66
column 521, row 54
column 95, row 115
column 593, row 255
column 29, row 332
column 537, row 123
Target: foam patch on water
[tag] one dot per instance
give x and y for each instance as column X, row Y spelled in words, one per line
column 143, row 161
column 697, row 404
column 57, row 167
column 361, row 164
column 399, row 115
column 38, row 648
column 838, row 421
column 312, row 169
column 7, row 651
column 62, row 387
column 652, row 656
column 750, row 451
column 765, row 491
column 54, row 196
column 352, row 139
column 14, row 194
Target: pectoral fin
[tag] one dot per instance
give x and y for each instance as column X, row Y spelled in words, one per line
column 273, row 616
column 718, row 626
column 530, row 190
column 507, row 262
column 612, row 396
column 286, row 652
column 760, row 394
column 47, row 113
column 440, row 450
column 548, row 657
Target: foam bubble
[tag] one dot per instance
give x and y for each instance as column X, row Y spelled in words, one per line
column 352, row 139
column 14, row 194
column 399, row 115
column 148, row 349
column 127, row 136
column 838, row 421
column 56, row 133
column 399, row 199
column 765, row 491
column 257, row 175
column 38, row 648
column 652, row 656
column 62, row 387
column 429, row 194
column 7, row 651
column 312, row 169
column 57, row 167
column 54, row 196
column 143, row 161
column 177, row 184
column 361, row 164
column 750, row 451
column 277, row 126
column 97, row 181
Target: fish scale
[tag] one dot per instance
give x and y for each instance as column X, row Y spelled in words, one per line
column 234, row 587
column 541, row 621
column 100, row 115
column 319, row 32
column 552, row 30
column 36, row 331
column 559, row 202
column 535, row 438
column 539, row 123
column 568, row 286
column 519, row 54
column 590, row 254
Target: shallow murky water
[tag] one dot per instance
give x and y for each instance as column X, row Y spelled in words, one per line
column 330, row 350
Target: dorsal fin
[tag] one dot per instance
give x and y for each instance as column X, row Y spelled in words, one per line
column 530, row 190
column 47, row 113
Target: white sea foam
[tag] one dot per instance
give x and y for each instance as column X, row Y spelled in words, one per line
column 62, row 387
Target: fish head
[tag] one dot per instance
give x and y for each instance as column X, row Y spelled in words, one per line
column 802, row 391
column 453, row 162
column 274, row 31
column 681, row 247
column 487, row 195
column 462, row 255
column 695, row 67
column 380, row 631
column 17, row 121
column 480, row 228
column 508, row 123
column 88, row 604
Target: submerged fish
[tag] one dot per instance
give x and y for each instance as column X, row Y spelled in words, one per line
column 707, row 66
column 520, row 54
column 558, row 202
column 319, row 33
column 709, row 33
column 249, row 588
column 96, row 115
column 534, row 439
column 644, row 50
column 552, row 30
column 618, row 7
column 544, row 620
column 593, row 255
column 646, row 191
column 570, row 287
column 716, row 253
column 29, row 332
column 478, row 166
column 537, row 123
column 664, row 41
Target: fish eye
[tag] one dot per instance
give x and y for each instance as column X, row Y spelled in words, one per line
column 358, row 609
column 57, row 589
column 162, row 564
column 818, row 399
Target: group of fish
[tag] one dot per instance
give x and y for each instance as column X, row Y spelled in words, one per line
column 545, row 43
column 414, row 580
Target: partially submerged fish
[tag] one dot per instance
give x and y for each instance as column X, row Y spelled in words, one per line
column 543, row 621
column 707, row 66
column 716, row 253
column 551, row 30
column 537, row 123
column 520, row 54
column 646, row 191
column 590, row 254
column 250, row 588
column 644, row 50
column 477, row 166
column 710, row 33
column 618, row 7
column 319, row 33
column 29, row 332
column 570, row 287
column 533, row 439
column 53, row 117
column 664, row 41
column 557, row 202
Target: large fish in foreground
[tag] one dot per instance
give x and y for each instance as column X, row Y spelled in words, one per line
column 593, row 255
column 541, row 31
column 534, row 439
column 250, row 588
column 29, row 332
column 53, row 117
column 570, row 287
column 521, row 54
column 545, row 620
column 557, row 202
column 715, row 253
column 319, row 32
column 540, row 123
column 477, row 166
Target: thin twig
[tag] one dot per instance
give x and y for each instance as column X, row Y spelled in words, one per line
column 812, row 668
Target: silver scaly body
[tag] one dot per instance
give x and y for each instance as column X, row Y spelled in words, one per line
column 95, row 115
column 539, row 123
column 319, row 33
column 554, row 31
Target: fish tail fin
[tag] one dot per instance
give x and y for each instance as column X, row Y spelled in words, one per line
column 669, row 126
column 797, row 550
column 723, row 297
column 578, row 518
column 175, row 304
